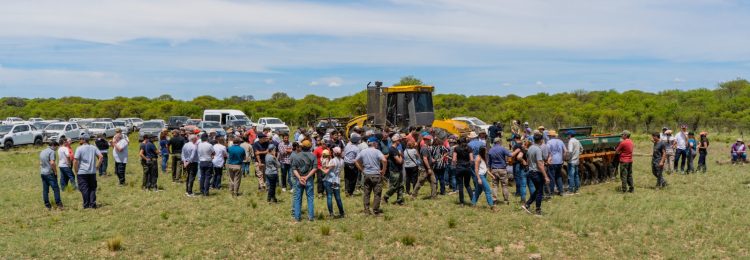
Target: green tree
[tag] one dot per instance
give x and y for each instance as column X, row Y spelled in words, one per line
column 409, row 81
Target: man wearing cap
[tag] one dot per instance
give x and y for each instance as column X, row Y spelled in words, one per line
column 574, row 150
column 738, row 152
column 261, row 149
column 85, row 162
column 190, row 162
column 625, row 150
column 426, row 172
column 395, row 171
column 303, row 167
column 175, row 145
column 49, row 175
column 497, row 158
column 103, row 145
column 557, row 151
column 351, row 173
column 681, row 152
column 658, row 160
column 149, row 157
column 372, row 164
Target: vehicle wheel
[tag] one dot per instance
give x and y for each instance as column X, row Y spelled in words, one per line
column 593, row 174
column 60, row 138
column 584, row 173
column 602, row 171
column 8, row 144
column 38, row 141
column 564, row 173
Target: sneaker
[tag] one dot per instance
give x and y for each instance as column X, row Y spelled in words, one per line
column 283, row 189
column 526, row 208
column 538, row 213
column 631, row 190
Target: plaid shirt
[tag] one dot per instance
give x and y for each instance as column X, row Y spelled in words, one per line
column 284, row 157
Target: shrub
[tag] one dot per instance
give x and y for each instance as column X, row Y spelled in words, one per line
column 325, row 230
column 452, row 223
column 408, row 240
column 114, row 244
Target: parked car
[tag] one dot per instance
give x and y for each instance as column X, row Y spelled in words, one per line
column 56, row 131
column 207, row 126
column 226, row 117
column 329, row 124
column 151, row 127
column 19, row 134
column 122, row 125
column 175, row 122
column 13, row 121
column 104, row 119
column 85, row 123
column 105, row 128
column 128, row 123
column 35, row 119
column 74, row 119
column 474, row 123
column 275, row 124
column 137, row 123
column 192, row 124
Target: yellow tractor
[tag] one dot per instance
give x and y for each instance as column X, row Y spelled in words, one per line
column 401, row 107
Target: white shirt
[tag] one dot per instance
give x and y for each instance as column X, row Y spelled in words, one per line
column 63, row 153
column 482, row 167
column 205, row 150
column 682, row 140
column 121, row 156
column 220, row 151
column 575, row 149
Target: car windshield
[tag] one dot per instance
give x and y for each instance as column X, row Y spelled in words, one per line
column 118, row 123
column 211, row 125
column 176, row 119
column 99, row 125
column 5, row 128
column 192, row 122
column 477, row 121
column 84, row 123
column 242, row 117
column 274, row 121
column 55, row 127
column 152, row 125
column 137, row 120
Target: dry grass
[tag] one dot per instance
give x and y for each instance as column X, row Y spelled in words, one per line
column 698, row 216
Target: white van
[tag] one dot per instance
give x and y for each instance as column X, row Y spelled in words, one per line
column 227, row 117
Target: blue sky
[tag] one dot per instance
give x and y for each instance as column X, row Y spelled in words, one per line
column 188, row 48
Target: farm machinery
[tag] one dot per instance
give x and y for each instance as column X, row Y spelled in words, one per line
column 598, row 162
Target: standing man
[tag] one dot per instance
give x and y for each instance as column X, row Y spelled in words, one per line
column 190, row 162
column 537, row 173
column 103, row 146
column 681, row 141
column 498, row 169
column 557, row 150
column 658, row 159
column 669, row 139
column 86, row 160
column 236, row 154
column 426, row 172
column 120, row 153
column 175, row 145
column 261, row 149
column 372, row 164
column 219, row 158
column 395, row 172
column 303, row 167
column 285, row 152
column 492, row 131
column 65, row 156
column 574, row 176
column 205, row 155
column 49, row 175
column 351, row 173
column 149, row 156
column 625, row 150
column 248, row 147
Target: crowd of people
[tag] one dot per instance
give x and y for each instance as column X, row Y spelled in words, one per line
column 308, row 163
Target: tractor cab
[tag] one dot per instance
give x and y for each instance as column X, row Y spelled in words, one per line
column 400, row 106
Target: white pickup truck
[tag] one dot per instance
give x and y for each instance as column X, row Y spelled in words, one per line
column 19, row 134
column 13, row 121
column 56, row 131
column 275, row 124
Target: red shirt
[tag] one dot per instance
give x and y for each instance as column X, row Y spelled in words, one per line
column 626, row 151
column 319, row 154
column 251, row 135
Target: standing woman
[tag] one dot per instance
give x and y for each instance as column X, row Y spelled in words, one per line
column 703, row 152
column 164, row 149
column 462, row 164
column 411, row 165
column 332, row 181
column 480, row 169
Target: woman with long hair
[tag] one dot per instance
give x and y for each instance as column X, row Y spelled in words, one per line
column 462, row 164
column 480, row 170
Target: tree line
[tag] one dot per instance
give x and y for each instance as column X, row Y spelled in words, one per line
column 724, row 108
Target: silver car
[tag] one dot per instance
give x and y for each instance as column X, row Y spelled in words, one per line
column 56, row 131
column 152, row 128
column 105, row 128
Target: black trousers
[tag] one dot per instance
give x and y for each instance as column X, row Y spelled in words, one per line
column 87, row 185
column 412, row 173
column 192, row 170
column 120, row 172
column 351, row 176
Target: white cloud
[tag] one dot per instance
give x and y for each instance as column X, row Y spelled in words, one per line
column 58, row 78
column 269, row 81
column 313, row 83
column 506, row 84
column 333, row 82
column 539, row 83
column 678, row 80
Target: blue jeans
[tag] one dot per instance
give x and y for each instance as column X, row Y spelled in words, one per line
column 164, row 159
column 451, row 177
column 536, row 196
column 47, row 182
column 216, row 182
column 333, row 190
column 440, row 175
column 485, row 187
column 574, row 178
column 520, row 176
column 683, row 153
column 205, row 179
column 555, row 175
column 245, row 168
column 309, row 190
column 103, row 166
column 66, row 175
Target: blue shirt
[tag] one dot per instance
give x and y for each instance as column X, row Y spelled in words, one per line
column 475, row 145
column 163, row 146
column 235, row 155
column 149, row 150
column 497, row 156
column 556, row 149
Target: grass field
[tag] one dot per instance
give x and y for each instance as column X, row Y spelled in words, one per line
column 697, row 216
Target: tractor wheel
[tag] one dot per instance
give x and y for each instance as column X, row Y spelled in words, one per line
column 585, row 175
column 603, row 177
column 564, row 173
column 593, row 173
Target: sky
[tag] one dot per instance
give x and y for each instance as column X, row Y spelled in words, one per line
column 189, row 48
